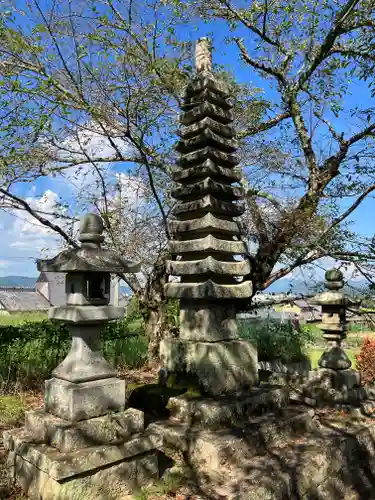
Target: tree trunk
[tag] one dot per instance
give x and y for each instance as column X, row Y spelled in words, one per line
column 153, row 303
column 155, row 330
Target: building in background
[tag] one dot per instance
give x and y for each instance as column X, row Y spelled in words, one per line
column 49, row 291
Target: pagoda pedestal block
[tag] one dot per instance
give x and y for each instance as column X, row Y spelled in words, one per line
column 218, row 368
column 207, row 321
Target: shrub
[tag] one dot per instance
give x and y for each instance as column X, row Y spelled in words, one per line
column 366, row 361
column 29, row 352
column 274, row 340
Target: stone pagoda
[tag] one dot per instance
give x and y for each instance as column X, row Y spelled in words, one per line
column 84, row 444
column 209, row 256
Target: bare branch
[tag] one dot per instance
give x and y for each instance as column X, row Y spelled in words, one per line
column 26, row 206
column 262, row 127
column 259, row 65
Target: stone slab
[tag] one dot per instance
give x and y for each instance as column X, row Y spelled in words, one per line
column 207, row 321
column 75, row 402
column 65, row 436
column 63, row 466
column 229, row 411
column 220, row 367
column 111, row 483
column 86, row 314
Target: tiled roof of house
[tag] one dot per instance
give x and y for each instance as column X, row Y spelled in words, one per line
column 22, row 299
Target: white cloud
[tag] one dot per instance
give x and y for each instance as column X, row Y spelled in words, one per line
column 28, row 234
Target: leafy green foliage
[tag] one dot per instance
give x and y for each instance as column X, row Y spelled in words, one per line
column 276, row 340
column 29, row 352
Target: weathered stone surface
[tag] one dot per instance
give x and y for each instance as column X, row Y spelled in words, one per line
column 75, row 402
column 207, row 168
column 206, row 80
column 86, row 314
column 207, row 266
column 62, row 466
column 84, row 361
column 297, row 368
column 209, row 290
column 340, row 379
column 66, row 437
column 200, row 321
column 206, row 186
column 221, row 367
column 198, row 127
column 207, row 137
column 334, row 322
column 207, row 244
column 90, row 257
column 207, row 109
column 112, row 483
column 188, row 160
column 225, row 102
column 209, row 203
column 335, row 358
column 207, row 223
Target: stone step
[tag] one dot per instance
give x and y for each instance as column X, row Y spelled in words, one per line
column 62, row 466
column 229, row 411
column 66, row 437
column 323, row 463
column 213, row 448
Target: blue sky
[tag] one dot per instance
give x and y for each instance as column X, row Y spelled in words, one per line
column 23, row 240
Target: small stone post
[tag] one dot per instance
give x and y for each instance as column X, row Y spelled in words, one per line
column 210, row 258
column 334, row 325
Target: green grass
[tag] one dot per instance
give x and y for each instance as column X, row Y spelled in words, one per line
column 168, row 485
column 314, row 354
column 12, row 410
column 21, row 318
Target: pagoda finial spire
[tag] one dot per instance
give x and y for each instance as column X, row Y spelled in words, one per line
column 203, row 55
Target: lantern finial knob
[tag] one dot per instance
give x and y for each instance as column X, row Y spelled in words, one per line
column 91, row 230
column 334, row 279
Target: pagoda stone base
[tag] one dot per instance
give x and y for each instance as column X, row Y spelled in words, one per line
column 104, row 458
column 336, row 379
column 74, row 402
column 219, row 367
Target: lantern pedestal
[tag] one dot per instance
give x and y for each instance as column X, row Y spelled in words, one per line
column 75, row 402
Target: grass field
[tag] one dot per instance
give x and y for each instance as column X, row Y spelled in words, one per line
column 21, row 318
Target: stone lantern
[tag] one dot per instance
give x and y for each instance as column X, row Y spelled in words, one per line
column 78, row 385
column 334, row 324
column 84, row 444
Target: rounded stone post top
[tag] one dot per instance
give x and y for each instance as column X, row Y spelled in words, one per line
column 91, row 230
column 203, row 55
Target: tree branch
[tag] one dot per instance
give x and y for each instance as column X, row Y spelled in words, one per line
column 262, row 127
column 335, row 31
column 38, row 217
column 259, row 65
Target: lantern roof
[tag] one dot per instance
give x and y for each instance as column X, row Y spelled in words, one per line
column 90, row 257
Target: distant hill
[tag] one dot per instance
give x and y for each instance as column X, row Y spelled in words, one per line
column 18, row 281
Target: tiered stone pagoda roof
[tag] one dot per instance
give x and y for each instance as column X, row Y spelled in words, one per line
column 209, row 255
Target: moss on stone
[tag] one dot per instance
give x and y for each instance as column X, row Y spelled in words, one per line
column 153, row 398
